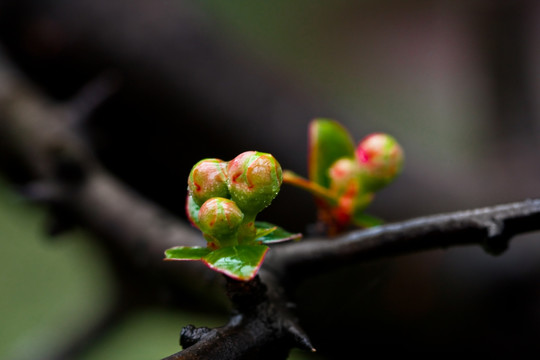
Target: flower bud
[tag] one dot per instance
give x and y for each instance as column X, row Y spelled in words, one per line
column 254, row 180
column 208, row 179
column 381, row 160
column 220, row 218
column 345, row 184
column 343, row 174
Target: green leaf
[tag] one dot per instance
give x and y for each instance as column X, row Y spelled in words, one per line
column 240, row 262
column 364, row 220
column 269, row 233
column 186, row 253
column 192, row 210
column 264, row 228
column 328, row 142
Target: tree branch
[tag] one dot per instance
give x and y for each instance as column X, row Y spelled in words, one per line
column 490, row 227
column 262, row 326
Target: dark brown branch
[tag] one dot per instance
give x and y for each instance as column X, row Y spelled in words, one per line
column 262, row 327
column 490, row 227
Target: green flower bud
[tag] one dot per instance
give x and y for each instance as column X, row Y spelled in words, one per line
column 381, row 160
column 220, row 218
column 254, row 180
column 208, row 179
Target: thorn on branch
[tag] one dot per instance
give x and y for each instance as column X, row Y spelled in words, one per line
column 299, row 337
column 91, row 96
column 496, row 241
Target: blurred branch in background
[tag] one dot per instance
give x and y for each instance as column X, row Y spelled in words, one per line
column 40, row 138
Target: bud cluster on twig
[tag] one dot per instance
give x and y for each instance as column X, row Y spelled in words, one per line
column 224, row 199
column 343, row 178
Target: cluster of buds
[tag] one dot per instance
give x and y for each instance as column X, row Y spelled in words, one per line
column 225, row 197
column 353, row 181
column 344, row 178
column 223, row 200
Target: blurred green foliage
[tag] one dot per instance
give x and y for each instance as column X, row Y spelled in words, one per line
column 53, row 289
column 50, row 288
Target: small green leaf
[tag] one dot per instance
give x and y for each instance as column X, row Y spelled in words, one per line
column 277, row 234
column 186, row 253
column 263, row 229
column 240, row 262
column 366, row 221
column 192, row 210
column 328, row 142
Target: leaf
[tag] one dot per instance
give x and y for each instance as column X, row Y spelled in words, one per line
column 186, row 253
column 277, row 234
column 366, row 221
column 264, row 229
column 192, row 211
column 328, row 142
column 240, row 262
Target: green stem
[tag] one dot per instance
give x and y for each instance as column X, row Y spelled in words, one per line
column 247, row 230
column 223, row 241
column 314, row 188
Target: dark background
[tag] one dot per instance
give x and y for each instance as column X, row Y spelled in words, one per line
column 456, row 82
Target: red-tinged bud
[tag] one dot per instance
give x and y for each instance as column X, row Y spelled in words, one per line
column 343, row 174
column 254, row 180
column 208, row 179
column 345, row 184
column 381, row 160
column 220, row 218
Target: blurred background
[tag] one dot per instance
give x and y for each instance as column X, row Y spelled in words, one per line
column 456, row 82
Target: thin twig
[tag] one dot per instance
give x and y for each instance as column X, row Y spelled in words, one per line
column 490, row 227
